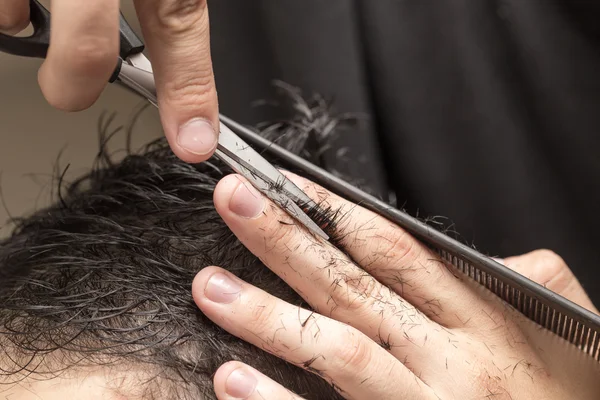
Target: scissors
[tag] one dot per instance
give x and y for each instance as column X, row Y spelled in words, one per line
column 134, row 72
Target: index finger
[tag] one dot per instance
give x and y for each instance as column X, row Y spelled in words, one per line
column 178, row 38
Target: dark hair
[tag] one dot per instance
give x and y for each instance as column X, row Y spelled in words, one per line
column 103, row 277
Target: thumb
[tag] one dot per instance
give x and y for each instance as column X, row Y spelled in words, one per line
column 550, row 270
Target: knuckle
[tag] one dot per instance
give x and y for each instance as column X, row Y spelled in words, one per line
column 550, row 260
column 486, row 382
column 93, row 56
column 398, row 247
column 281, row 237
column 261, row 316
column 181, row 16
column 367, row 292
column 195, row 92
column 352, row 353
column 553, row 271
column 367, row 286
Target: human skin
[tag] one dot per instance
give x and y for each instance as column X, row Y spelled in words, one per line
column 96, row 386
column 364, row 346
column 392, row 320
column 382, row 325
column 84, row 48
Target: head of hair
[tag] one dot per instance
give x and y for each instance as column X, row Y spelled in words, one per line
column 102, row 278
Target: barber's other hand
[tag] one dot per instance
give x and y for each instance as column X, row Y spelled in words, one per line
column 84, row 47
column 392, row 320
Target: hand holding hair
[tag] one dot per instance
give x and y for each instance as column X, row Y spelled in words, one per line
column 386, row 318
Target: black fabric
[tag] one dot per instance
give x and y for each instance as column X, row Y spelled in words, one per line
column 483, row 111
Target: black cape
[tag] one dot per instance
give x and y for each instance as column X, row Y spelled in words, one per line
column 483, row 111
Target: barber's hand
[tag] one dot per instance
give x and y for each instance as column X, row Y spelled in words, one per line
column 395, row 323
column 84, row 47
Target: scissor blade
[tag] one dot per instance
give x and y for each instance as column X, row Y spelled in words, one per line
column 238, row 155
column 139, row 81
column 140, row 61
column 244, row 153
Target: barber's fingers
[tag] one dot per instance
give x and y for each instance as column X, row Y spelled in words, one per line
column 14, row 16
column 83, row 53
column 84, row 48
column 397, row 259
column 326, row 278
column 550, row 270
column 178, row 39
column 337, row 352
column 382, row 249
column 235, row 381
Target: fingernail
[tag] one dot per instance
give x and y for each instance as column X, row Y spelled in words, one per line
column 499, row 260
column 222, row 289
column 240, row 384
column 198, row 136
column 246, row 201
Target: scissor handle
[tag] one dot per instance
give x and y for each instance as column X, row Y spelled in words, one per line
column 37, row 44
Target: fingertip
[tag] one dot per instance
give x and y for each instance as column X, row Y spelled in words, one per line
column 197, row 137
column 223, row 373
column 235, row 380
column 83, row 53
column 240, row 198
column 59, row 91
column 194, row 141
column 224, row 192
column 186, row 156
column 200, row 281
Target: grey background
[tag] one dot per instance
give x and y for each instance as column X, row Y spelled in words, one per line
column 33, row 133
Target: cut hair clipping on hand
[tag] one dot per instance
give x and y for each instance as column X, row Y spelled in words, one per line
column 555, row 313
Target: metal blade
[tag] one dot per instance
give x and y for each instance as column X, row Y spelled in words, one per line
column 140, row 61
column 265, row 184
column 243, row 152
column 236, row 153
